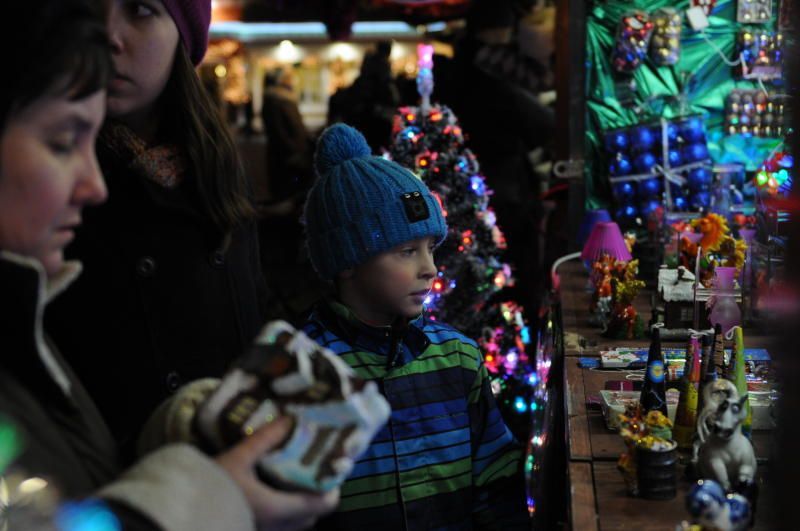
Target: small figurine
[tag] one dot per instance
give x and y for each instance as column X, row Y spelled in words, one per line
column 711, row 508
column 724, row 454
column 615, row 288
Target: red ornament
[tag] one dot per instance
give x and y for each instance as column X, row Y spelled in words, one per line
column 707, row 5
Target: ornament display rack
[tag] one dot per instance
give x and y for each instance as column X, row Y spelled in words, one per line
column 597, row 100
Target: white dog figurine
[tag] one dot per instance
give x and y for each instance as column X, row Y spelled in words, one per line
column 725, row 454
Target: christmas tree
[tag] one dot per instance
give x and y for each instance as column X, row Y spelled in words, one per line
column 469, row 291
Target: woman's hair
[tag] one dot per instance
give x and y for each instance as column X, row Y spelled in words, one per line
column 55, row 47
column 196, row 123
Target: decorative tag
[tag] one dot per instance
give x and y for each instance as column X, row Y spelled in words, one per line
column 416, row 208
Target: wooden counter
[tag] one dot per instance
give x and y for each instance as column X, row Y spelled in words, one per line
column 597, row 494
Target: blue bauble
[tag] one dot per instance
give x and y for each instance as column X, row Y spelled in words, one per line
column 700, row 179
column 695, row 152
column 644, row 162
column 692, row 130
column 624, row 192
column 617, row 141
column 642, row 138
column 621, row 165
column 626, row 212
column 674, row 158
column 649, row 187
column 680, row 202
column 647, row 207
column 673, row 131
column 700, row 200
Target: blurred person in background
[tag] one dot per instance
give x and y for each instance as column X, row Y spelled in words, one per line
column 289, row 146
column 371, row 102
column 504, row 123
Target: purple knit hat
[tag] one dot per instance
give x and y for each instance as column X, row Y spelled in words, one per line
column 192, row 18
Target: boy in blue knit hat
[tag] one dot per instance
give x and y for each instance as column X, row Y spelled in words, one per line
column 445, row 460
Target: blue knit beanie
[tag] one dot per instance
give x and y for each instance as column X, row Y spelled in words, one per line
column 363, row 205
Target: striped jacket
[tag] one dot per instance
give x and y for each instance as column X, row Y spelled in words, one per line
column 445, row 460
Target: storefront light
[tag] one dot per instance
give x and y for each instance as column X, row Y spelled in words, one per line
column 253, row 31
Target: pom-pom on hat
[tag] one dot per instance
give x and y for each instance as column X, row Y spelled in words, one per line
column 192, row 17
column 362, row 205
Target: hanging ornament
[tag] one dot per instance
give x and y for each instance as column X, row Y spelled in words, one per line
column 775, row 174
column 633, row 36
column 761, row 53
column 665, row 45
column 754, row 11
column 756, row 113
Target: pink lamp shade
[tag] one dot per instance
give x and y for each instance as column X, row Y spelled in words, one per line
column 606, row 238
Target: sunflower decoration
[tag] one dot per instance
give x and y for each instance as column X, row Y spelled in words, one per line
column 719, row 248
column 714, row 228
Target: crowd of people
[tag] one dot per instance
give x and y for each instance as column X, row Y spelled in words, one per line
column 130, row 257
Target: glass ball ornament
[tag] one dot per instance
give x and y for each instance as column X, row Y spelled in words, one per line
column 674, row 158
column 621, row 165
column 695, row 152
column 625, row 192
column 644, row 162
column 617, row 141
column 700, row 179
column 673, row 132
column 649, row 206
column 700, row 200
column 650, row 187
column 642, row 138
column 692, row 129
column 626, row 213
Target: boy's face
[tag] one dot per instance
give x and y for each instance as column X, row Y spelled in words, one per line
column 392, row 284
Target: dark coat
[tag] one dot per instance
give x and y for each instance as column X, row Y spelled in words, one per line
column 162, row 300
column 288, row 145
column 64, row 437
column 65, row 440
